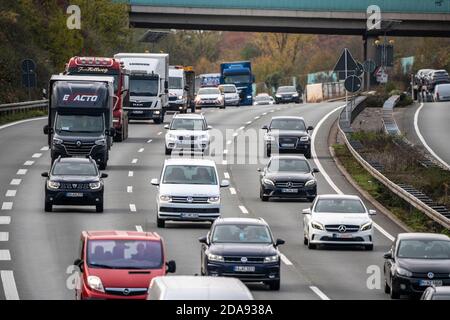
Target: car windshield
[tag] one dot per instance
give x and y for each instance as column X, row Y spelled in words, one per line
column 124, row 254
column 245, row 233
column 339, row 206
column 229, row 89
column 74, row 169
column 286, row 89
column 175, row 83
column 187, row 124
column 79, row 124
column 289, row 165
column 262, row 98
column 190, row 174
column 288, row 124
column 144, row 87
column 424, row 249
column 208, row 91
column 237, row 78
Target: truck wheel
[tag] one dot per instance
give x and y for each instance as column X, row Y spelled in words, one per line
column 99, row 208
column 48, row 207
column 160, row 223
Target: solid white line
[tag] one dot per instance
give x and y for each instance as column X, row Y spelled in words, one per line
column 11, row 193
column 130, row 173
column 149, row 141
column 130, row 189
column 7, row 206
column 22, row 172
column 5, row 255
column 317, row 291
column 133, row 208
column 226, row 175
column 36, row 155
column 232, row 190
column 384, row 232
column 159, row 133
column 46, row 148
column 285, row 260
column 4, row 236
column 134, row 161
column 422, row 139
column 15, row 182
column 225, row 151
column 141, row 150
column 139, row 229
column 28, row 163
column 243, row 209
column 4, row 220
column 9, row 285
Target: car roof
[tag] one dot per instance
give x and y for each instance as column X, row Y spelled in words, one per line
column 338, row 196
column 189, row 161
column 227, row 85
column 258, row 221
column 189, row 116
column 288, row 117
column 121, row 235
column 75, row 160
column 422, row 236
column 281, row 157
column 262, row 94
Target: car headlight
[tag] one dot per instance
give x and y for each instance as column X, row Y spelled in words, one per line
column 53, row 184
column 165, row 198
column 403, row 272
column 366, row 226
column 317, row 225
column 278, row 95
column 171, row 137
column 95, row 185
column 249, row 97
column 268, row 182
column 57, row 141
column 304, row 139
column 180, row 97
column 215, row 257
column 213, row 199
column 271, row 259
column 295, row 95
column 95, row 283
column 310, row 183
column 100, row 142
column 268, row 137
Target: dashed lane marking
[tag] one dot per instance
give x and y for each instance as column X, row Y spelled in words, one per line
column 235, row 134
column 28, row 163
column 4, row 236
column 232, row 190
column 22, row 172
column 149, row 141
column 225, row 151
column 317, row 291
column 159, row 133
column 257, row 117
column 130, row 173
column 133, row 208
column 36, row 155
column 243, row 209
column 45, row 148
column 141, row 150
column 134, row 161
column 229, row 142
column 5, row 220
column 130, row 189
column 224, row 162
column 226, row 175
column 285, row 260
column 139, row 229
column 241, row 128
column 248, row 122
column 5, row 255
column 7, row 206
column 9, row 285
column 15, row 182
column 11, row 193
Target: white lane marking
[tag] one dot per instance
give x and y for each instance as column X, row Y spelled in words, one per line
column 130, row 189
column 4, row 220
column 7, row 206
column 278, row 109
column 130, row 173
column 257, row 117
column 422, row 139
column 133, row 207
column 235, row 134
column 317, row 291
column 265, row 113
column 224, row 162
column 149, row 141
column 5, row 255
column 325, row 174
column 241, row 128
column 134, row 161
column 232, row 190
column 22, row 172
column 9, row 285
column 36, row 155
column 11, row 193
column 46, row 148
column 225, row 151
column 272, row 111
column 159, row 133
column 243, row 209
column 15, row 182
column 141, row 150
column 285, row 260
column 28, row 163
column 4, row 236
column 226, row 175
column 229, row 142
column 248, row 122
column 139, row 229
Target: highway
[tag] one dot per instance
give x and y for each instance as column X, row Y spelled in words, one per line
column 39, row 246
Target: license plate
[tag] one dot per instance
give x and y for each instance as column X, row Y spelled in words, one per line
column 138, row 112
column 74, row 195
column 342, row 235
column 428, row 283
column 244, row 269
column 288, row 145
column 189, row 215
column 289, row 190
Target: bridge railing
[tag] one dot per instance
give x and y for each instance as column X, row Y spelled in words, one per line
column 12, row 108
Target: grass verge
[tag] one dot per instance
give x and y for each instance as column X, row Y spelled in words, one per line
column 4, row 119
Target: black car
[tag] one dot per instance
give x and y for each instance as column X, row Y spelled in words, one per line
column 288, row 177
column 74, row 181
column 242, row 248
column 288, row 94
column 416, row 261
column 288, row 134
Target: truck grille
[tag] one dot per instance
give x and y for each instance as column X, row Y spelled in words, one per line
column 190, row 199
column 84, row 149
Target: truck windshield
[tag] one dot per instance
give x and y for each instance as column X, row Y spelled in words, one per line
column 144, row 87
column 175, row 83
column 237, row 78
column 79, row 124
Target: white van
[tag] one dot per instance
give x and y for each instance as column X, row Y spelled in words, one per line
column 442, row 92
column 197, row 288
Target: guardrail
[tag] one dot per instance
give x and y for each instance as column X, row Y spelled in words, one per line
column 12, row 108
column 409, row 198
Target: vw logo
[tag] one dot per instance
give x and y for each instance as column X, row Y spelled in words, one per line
column 342, row 228
column 190, row 199
column 79, row 143
column 126, row 292
column 430, row 275
column 244, row 259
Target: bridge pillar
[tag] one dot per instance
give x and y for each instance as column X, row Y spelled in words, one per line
column 369, row 54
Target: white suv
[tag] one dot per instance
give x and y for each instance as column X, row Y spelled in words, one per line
column 188, row 190
column 187, row 131
column 338, row 220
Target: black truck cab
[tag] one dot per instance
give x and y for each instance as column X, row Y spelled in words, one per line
column 80, row 120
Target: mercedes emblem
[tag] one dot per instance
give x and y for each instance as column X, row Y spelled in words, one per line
column 342, row 228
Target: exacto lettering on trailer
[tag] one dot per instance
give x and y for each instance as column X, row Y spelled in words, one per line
column 80, row 98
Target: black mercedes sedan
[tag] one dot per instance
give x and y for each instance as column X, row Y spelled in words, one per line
column 74, row 181
column 289, row 177
column 288, row 94
column 288, row 134
column 416, row 261
column 242, row 248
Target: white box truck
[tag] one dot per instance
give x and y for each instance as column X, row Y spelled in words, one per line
column 149, row 84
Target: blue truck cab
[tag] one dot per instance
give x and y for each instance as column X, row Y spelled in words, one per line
column 240, row 74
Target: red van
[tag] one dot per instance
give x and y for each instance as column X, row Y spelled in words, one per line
column 120, row 264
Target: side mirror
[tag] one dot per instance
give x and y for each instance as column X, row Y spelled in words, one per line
column 225, row 184
column 279, row 242
column 315, row 170
column 44, row 174
column 104, row 175
column 372, row 212
column 265, row 128
column 259, row 170
column 209, row 127
column 203, row 240
column 387, row 255
column 44, row 93
column 167, row 127
column 171, row 267
column 155, row 182
column 310, row 128
column 306, row 211
column 46, row 129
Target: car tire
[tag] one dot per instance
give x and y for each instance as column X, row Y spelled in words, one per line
column 395, row 294
column 157, row 121
column 168, row 151
column 387, row 289
column 118, row 137
column 160, row 223
column 262, row 196
column 308, row 154
column 48, row 207
column 99, row 208
column 268, row 152
column 274, row 285
column 305, row 241
column 368, row 247
column 311, row 246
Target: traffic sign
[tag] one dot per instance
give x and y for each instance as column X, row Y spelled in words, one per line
column 359, row 70
column 28, row 66
column 345, row 65
column 29, row 80
column 352, row 84
column 382, row 76
column 369, row 66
